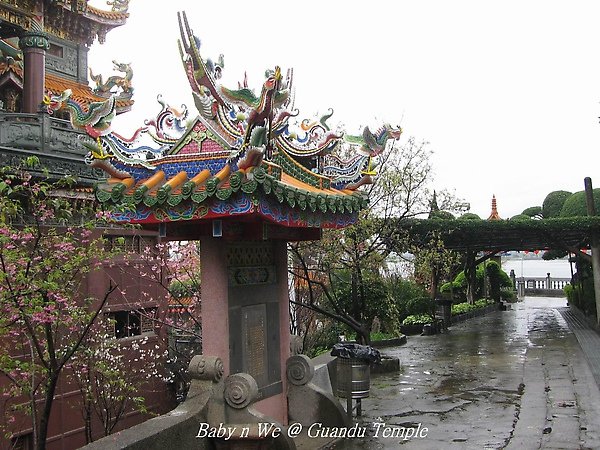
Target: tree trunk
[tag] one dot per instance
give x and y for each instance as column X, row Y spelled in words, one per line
column 45, row 416
column 87, row 418
column 470, row 276
column 435, row 279
column 363, row 335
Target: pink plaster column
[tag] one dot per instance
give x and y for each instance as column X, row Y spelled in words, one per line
column 34, row 45
column 215, row 313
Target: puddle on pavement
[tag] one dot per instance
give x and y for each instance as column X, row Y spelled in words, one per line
column 470, row 373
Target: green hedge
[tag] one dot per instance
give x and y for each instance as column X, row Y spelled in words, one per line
column 459, row 308
column 417, row 319
column 575, row 205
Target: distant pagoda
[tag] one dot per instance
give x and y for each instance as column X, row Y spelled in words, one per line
column 494, row 214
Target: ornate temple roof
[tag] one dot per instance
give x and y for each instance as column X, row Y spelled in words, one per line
column 76, row 22
column 242, row 157
column 72, row 20
column 55, row 85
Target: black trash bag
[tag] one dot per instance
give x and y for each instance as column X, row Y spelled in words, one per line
column 356, row 351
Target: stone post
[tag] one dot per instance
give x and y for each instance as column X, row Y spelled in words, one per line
column 215, row 318
column 548, row 281
column 591, row 210
column 521, row 288
column 34, row 44
column 245, row 314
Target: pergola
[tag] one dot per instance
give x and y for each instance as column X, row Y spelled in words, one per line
column 474, row 236
column 568, row 234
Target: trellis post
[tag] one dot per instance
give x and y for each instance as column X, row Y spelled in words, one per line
column 591, row 210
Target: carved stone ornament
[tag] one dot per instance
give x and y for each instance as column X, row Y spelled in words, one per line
column 206, row 368
column 240, row 390
column 34, row 39
column 299, row 369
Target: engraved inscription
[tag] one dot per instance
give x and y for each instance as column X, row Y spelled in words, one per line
column 254, row 355
column 256, row 346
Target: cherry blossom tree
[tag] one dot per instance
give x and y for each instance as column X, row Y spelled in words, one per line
column 48, row 248
column 102, row 371
column 173, row 269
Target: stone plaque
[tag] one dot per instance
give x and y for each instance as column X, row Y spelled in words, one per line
column 244, row 276
column 254, row 346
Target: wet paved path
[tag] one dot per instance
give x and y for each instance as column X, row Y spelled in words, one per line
column 516, row 379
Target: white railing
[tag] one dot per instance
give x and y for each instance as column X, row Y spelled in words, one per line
column 547, row 283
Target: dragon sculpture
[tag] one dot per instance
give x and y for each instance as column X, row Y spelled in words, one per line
column 148, row 143
column 261, row 108
column 358, row 170
column 105, row 89
column 118, row 5
column 200, row 77
column 10, row 54
column 96, row 121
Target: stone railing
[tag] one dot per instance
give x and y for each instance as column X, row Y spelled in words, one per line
column 40, row 132
column 541, row 286
column 217, row 413
column 53, row 140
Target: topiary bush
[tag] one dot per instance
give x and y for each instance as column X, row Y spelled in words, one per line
column 444, row 215
column 417, row 319
column 465, row 307
column 469, row 216
column 497, row 280
column 535, row 212
column 520, row 218
column 553, row 203
column 575, row 204
column 405, row 295
column 500, row 283
column 421, row 305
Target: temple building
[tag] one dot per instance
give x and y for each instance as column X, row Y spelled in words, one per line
column 43, row 53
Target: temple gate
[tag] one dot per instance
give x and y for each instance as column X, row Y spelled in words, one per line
column 244, row 180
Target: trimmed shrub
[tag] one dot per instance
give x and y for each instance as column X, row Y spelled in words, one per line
column 405, row 295
column 497, row 277
column 417, row 319
column 533, row 212
column 553, row 203
column 520, row 218
column 445, row 215
column 464, row 307
column 469, row 216
column 575, row 204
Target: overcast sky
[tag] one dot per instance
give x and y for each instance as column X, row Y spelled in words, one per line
column 506, row 92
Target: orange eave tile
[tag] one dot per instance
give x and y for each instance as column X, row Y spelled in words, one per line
column 116, row 16
column 82, row 93
column 289, row 180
